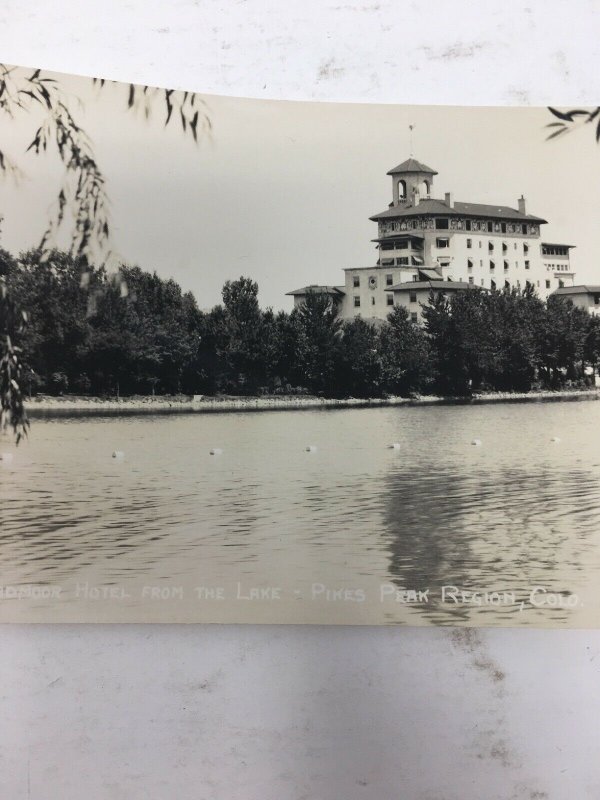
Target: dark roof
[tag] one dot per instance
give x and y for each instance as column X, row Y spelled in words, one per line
column 431, row 273
column 581, row 289
column 334, row 290
column 412, row 165
column 440, row 207
column 409, row 286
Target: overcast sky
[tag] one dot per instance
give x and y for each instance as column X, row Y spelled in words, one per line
column 282, row 192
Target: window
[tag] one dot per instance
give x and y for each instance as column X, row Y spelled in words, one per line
column 504, row 247
column 490, row 227
column 356, row 282
column 390, row 300
column 441, row 224
column 480, row 243
column 413, row 297
column 547, row 284
column 415, row 277
column 523, row 228
column 468, row 228
column 527, row 265
column 469, row 243
column 439, row 242
column 506, row 285
column 490, row 247
column 471, row 279
column 505, row 266
column 356, row 302
column 503, row 227
column 402, row 261
column 414, row 317
column 372, row 300
column 469, row 263
column 492, row 266
column 561, row 284
column 597, row 299
column 389, row 280
column 402, row 245
column 525, row 248
column 387, row 261
column 492, row 285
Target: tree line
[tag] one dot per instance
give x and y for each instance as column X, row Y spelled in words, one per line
column 97, row 333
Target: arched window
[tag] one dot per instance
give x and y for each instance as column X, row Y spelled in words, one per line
column 424, row 189
column 402, row 190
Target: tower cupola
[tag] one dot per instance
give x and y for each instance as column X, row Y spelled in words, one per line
column 411, row 181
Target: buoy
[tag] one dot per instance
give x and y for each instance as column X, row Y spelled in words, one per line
column 394, row 446
column 476, row 442
column 311, row 448
column 555, row 439
column 118, row 454
column 216, row 451
column 6, row 457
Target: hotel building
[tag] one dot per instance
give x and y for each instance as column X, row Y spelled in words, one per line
column 424, row 243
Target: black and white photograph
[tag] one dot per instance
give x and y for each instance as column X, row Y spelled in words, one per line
column 266, row 361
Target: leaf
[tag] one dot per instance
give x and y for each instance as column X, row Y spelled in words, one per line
column 194, row 125
column 168, row 94
column 560, row 114
column 31, row 94
column 557, row 133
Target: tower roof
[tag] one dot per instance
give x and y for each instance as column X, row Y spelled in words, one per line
column 412, row 165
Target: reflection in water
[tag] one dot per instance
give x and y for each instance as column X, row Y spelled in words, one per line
column 517, row 512
column 502, row 531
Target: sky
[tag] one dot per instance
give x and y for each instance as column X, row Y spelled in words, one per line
column 282, row 192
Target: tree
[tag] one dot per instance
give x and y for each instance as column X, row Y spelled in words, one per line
column 54, row 116
column 12, row 412
column 242, row 337
column 359, row 369
column 318, row 342
column 406, row 355
column 83, row 189
column 592, row 344
column 563, row 340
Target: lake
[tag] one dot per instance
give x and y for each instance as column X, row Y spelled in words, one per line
column 435, row 531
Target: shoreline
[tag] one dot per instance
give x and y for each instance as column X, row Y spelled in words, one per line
column 64, row 406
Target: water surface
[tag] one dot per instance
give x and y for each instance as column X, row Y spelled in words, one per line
column 339, row 534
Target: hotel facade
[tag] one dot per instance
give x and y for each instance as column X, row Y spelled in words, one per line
column 428, row 244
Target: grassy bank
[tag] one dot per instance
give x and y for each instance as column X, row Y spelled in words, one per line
column 55, row 406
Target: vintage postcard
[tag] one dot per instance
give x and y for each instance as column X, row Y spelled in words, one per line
column 296, row 362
